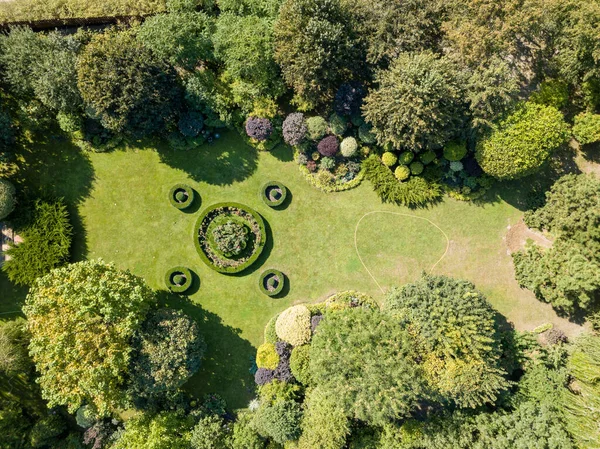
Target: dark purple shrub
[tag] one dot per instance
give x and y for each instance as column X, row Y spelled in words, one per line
column 312, row 166
column 328, row 146
column 555, row 336
column 99, row 434
column 259, row 128
column 294, row 128
column 283, row 372
column 315, row 321
column 264, row 376
column 283, row 349
column 471, row 166
column 348, row 99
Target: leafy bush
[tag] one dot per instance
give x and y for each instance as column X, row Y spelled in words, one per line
column 46, row 244
column 270, row 333
column 389, row 159
column 406, row 157
column 553, row 93
column 293, row 325
column 266, row 357
column 349, row 299
column 337, row 124
column 456, row 166
column 283, row 372
column 263, row 376
column 328, row 146
column 209, row 433
column 279, row 421
column 348, row 99
column 348, row 147
column 231, row 238
column 507, row 154
column 327, row 163
column 402, row 172
column 317, row 127
column 555, row 337
column 427, row 157
column 299, row 363
column 69, row 122
column 294, row 128
column 190, row 123
column 259, row 128
column 455, row 151
column 366, row 135
column 7, row 198
column 587, row 128
column 416, row 168
column 45, row 431
column 85, row 416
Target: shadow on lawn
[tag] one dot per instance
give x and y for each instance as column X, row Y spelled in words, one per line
column 52, row 167
column 223, row 162
column 226, row 366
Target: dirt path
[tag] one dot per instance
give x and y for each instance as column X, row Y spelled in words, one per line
column 518, row 234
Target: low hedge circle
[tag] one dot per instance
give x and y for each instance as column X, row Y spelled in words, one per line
column 229, row 212
column 175, row 196
column 264, row 279
column 173, row 277
column 270, row 187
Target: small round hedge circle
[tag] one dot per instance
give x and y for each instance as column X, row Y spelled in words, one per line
column 388, row 158
column 271, row 282
column 455, row 151
column 181, row 196
column 406, row 157
column 225, row 212
column 416, row 168
column 402, row 172
column 178, row 279
column 273, row 193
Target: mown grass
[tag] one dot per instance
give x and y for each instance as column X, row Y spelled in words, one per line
column 121, row 202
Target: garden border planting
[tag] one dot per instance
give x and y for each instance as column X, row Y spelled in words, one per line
column 175, row 288
column 278, row 289
column 184, row 204
column 265, row 197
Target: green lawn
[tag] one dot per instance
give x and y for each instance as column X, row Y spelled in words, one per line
column 122, row 214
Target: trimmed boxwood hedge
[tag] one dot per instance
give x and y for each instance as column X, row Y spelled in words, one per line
column 178, row 288
column 181, row 187
column 257, row 246
column 263, row 277
column 267, row 200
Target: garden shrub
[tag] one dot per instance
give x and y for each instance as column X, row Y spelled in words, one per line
column 366, row 134
column 7, row 198
column 456, row 166
column 294, row 128
column 327, row 163
column 348, row 147
column 263, row 376
column 350, row 299
column 406, row 157
column 270, row 333
column 46, row 244
column 455, row 151
column 555, row 337
column 416, row 168
column 283, row 372
column 279, row 421
column 273, row 193
column 337, row 124
column 178, row 279
column 506, row 154
column 69, row 122
column 348, row 99
column 271, row 282
column 317, row 127
column 266, row 357
column 259, row 128
column 85, row 416
column 402, row 172
column 181, row 196
column 328, row 146
column 46, row 430
column 299, row 363
column 389, row 159
column 293, row 325
column 553, row 93
column 586, row 128
column 230, row 238
column 190, row 123
column 427, row 157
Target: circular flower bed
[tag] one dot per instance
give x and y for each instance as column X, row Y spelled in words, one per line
column 273, row 193
column 181, row 196
column 271, row 282
column 229, row 237
column 178, row 279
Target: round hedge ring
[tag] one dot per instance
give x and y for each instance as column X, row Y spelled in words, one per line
column 271, row 282
column 229, row 237
column 273, row 193
column 181, row 196
column 178, row 279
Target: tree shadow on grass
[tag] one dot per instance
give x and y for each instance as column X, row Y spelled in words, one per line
column 52, row 167
column 226, row 366
column 283, row 152
column 223, row 162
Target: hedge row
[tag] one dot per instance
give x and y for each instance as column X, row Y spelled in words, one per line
column 178, row 288
column 263, row 278
column 267, row 200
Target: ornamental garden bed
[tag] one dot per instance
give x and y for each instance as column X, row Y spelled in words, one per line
column 178, row 279
column 273, row 193
column 271, row 282
column 229, row 237
column 181, row 196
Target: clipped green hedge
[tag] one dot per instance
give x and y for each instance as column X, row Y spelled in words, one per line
column 170, row 283
column 263, row 279
column 181, row 188
column 258, row 242
column 267, row 200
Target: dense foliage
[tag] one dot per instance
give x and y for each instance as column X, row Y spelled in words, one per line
column 7, row 198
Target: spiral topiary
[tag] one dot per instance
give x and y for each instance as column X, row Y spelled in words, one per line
column 389, row 159
column 293, row 325
column 271, row 282
column 181, row 196
column 402, row 172
column 7, row 198
column 416, row 168
column 273, row 193
column 178, row 279
column 328, row 146
column 348, row 147
column 455, row 151
column 406, row 157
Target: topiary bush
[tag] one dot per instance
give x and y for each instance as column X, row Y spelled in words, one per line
column 190, row 123
column 428, row 157
column 402, row 172
column 337, row 124
column 181, row 196
column 293, row 325
column 8, row 198
column 294, row 128
column 389, row 159
column 406, row 157
column 178, row 279
column 271, row 282
column 259, row 128
column 328, row 146
column 416, row 168
column 273, row 193
column 299, row 363
column 317, row 127
column 455, row 151
column 349, row 147
column 586, row 128
column 267, row 357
